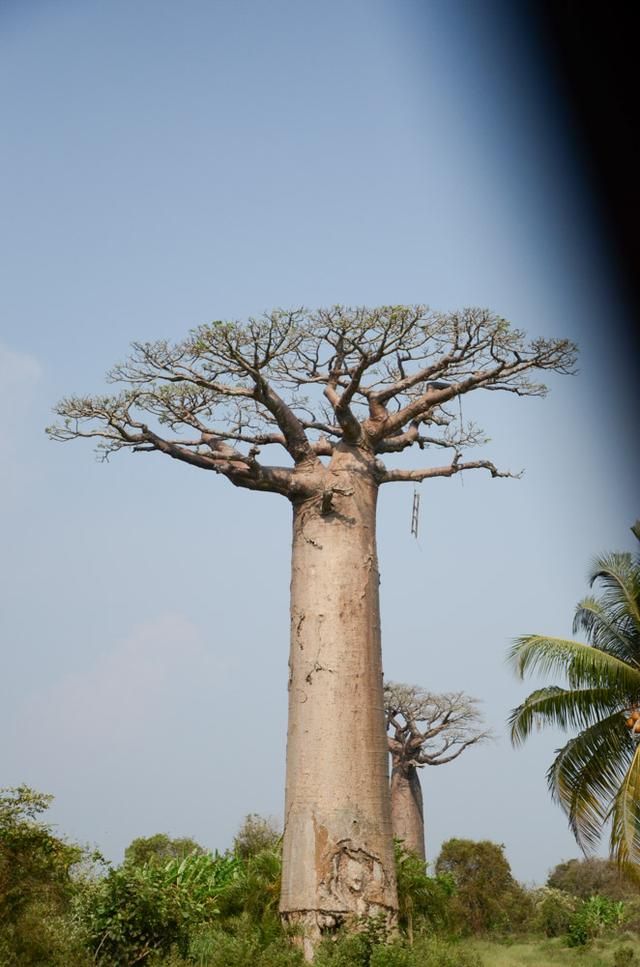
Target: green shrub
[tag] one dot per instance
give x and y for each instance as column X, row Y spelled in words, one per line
column 42, row 938
column 36, row 886
column 159, row 849
column 256, row 834
column 344, row 950
column 367, row 948
column 206, row 908
column 254, row 889
column 517, row 913
column 424, row 902
column 553, row 912
column 592, row 918
column 392, row 955
column 487, row 897
column 139, row 910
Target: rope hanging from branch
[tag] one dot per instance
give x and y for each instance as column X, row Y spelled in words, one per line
column 461, row 430
column 415, row 512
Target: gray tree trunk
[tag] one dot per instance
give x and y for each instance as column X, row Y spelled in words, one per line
column 338, row 860
column 407, row 808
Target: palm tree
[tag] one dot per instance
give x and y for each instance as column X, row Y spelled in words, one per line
column 596, row 775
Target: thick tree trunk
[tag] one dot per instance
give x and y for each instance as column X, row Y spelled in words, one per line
column 338, row 859
column 407, row 810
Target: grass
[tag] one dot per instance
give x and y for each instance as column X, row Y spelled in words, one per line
column 554, row 953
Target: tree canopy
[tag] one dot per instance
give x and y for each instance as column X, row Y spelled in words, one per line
column 486, row 892
column 36, row 884
column 159, row 849
column 586, row 877
column 431, row 729
column 302, row 383
column 256, row 833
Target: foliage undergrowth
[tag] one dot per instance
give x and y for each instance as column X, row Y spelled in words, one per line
column 592, row 918
column 61, row 906
column 138, row 910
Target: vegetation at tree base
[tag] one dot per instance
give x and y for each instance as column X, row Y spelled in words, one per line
column 136, row 911
column 172, row 903
column 596, row 775
column 422, row 900
column 61, row 906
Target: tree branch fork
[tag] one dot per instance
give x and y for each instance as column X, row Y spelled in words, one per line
column 380, row 381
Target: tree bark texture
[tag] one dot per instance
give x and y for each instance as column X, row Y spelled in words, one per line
column 407, row 809
column 338, row 861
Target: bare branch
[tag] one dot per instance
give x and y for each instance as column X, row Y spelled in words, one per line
column 468, row 435
column 440, row 758
column 109, row 420
column 456, row 466
column 376, row 379
column 268, row 340
column 351, row 428
column 484, row 353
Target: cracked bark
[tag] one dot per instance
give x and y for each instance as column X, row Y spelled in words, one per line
column 337, row 804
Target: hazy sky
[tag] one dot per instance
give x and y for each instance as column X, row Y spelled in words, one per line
column 164, row 164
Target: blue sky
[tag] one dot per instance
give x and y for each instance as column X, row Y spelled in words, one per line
column 165, row 164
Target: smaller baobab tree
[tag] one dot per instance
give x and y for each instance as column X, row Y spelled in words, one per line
column 424, row 729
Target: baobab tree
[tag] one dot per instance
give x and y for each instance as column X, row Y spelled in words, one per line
column 334, row 392
column 424, row 729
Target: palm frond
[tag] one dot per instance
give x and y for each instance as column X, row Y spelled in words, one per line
column 584, row 666
column 596, row 776
column 563, row 708
column 625, row 816
column 619, row 577
column 587, row 773
column 606, row 633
